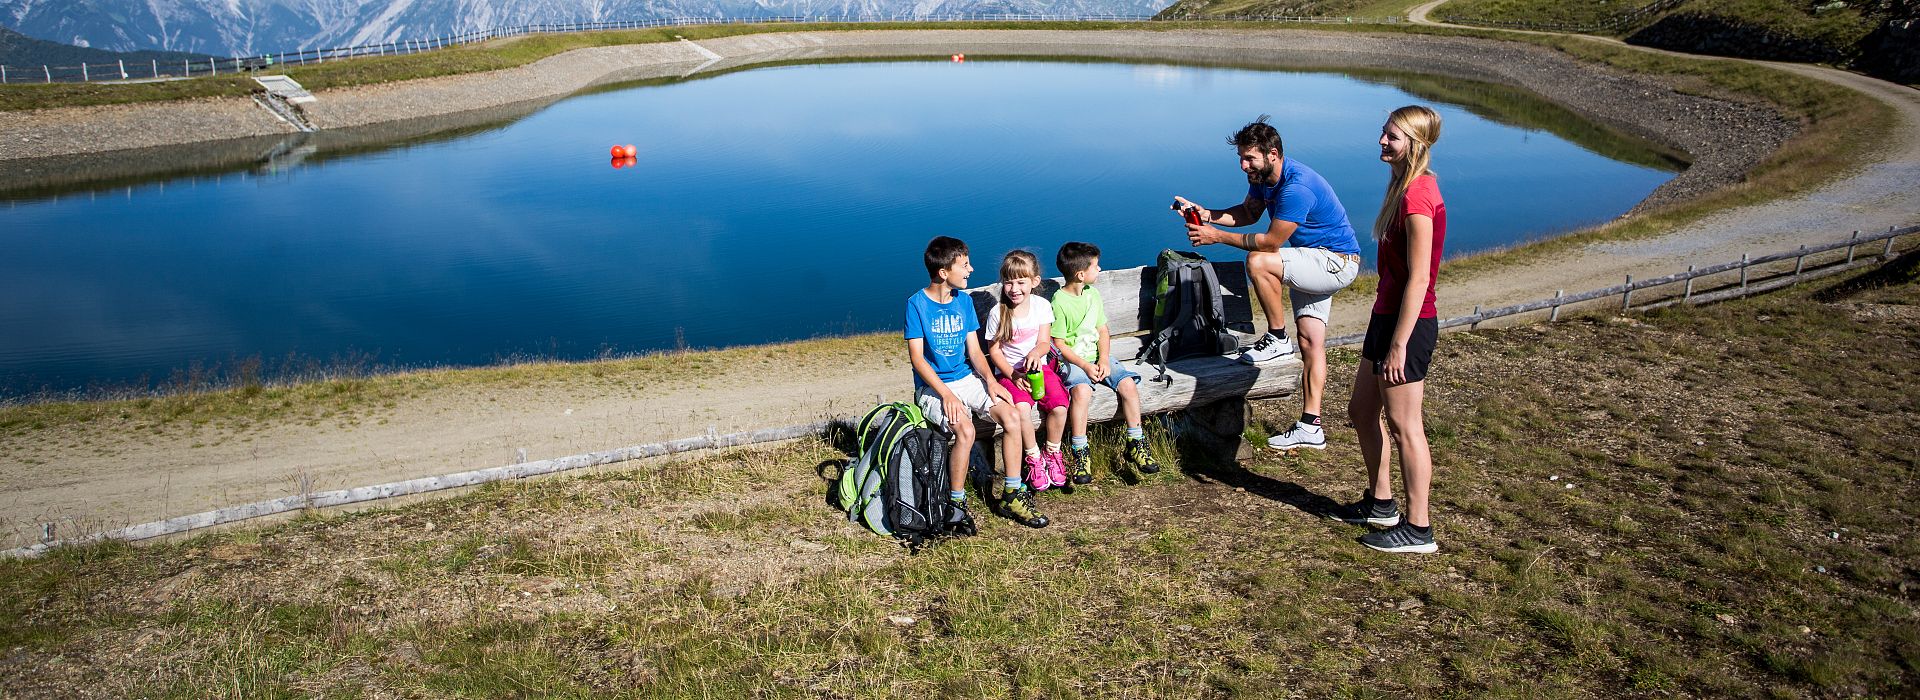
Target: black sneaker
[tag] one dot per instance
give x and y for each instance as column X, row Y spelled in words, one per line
column 960, row 520
column 1401, row 539
column 1368, row 511
column 1018, row 506
column 1080, row 464
column 1142, row 456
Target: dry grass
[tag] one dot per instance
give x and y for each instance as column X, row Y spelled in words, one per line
column 1713, row 455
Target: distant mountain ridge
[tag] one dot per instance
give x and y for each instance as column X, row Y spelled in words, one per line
column 20, row 50
column 252, row 27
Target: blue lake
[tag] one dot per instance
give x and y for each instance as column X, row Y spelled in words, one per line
column 764, row 205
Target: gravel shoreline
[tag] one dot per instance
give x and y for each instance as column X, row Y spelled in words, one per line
column 74, row 145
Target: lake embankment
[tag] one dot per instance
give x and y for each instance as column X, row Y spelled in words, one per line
column 97, row 464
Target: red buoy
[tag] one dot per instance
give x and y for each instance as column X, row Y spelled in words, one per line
column 619, row 151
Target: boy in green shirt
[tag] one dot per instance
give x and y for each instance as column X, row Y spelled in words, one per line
column 1080, row 324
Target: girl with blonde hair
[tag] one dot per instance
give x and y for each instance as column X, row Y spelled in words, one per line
column 1409, row 231
column 1020, row 347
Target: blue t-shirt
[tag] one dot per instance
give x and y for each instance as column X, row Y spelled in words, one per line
column 1305, row 198
column 945, row 328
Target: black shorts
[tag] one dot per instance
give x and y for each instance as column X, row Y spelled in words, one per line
column 1426, row 333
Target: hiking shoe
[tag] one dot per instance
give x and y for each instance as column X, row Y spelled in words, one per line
column 1056, row 465
column 1300, row 435
column 1080, row 461
column 1141, row 456
column 1270, row 347
column 960, row 520
column 1018, row 506
column 1037, row 475
column 1401, row 539
column 1368, row 511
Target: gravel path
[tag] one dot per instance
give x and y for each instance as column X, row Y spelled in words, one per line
column 95, row 476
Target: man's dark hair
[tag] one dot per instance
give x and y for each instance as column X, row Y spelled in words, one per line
column 1075, row 257
column 941, row 252
column 1258, row 135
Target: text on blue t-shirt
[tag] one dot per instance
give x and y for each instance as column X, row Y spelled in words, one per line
column 945, row 328
column 1305, row 198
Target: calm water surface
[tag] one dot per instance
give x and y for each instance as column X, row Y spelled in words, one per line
column 765, row 205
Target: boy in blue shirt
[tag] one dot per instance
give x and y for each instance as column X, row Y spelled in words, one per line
column 1308, row 251
column 951, row 375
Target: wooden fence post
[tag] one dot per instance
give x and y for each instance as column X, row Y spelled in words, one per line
column 156, row 68
column 3, row 73
column 1688, row 294
column 1850, row 244
column 49, row 72
column 1888, row 253
column 1743, row 273
column 1626, row 297
column 1555, row 316
column 46, row 533
column 1799, row 263
column 1476, row 319
column 88, row 79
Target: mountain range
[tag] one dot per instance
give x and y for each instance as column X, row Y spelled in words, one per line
column 253, row 27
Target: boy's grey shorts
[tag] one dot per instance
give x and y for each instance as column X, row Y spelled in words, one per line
column 1312, row 275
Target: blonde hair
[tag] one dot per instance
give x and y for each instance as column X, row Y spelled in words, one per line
column 1016, row 265
column 1421, row 126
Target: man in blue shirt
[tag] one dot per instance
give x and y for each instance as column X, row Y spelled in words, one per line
column 1308, row 251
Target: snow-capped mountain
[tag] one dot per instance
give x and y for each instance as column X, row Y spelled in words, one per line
column 251, row 27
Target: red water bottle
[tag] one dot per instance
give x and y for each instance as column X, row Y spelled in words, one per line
column 1192, row 214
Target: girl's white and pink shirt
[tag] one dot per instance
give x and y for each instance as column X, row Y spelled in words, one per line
column 1026, row 328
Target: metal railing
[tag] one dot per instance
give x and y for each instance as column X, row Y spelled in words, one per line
column 154, row 69
column 1747, row 284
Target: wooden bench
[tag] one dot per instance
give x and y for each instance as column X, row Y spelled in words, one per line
column 1213, row 390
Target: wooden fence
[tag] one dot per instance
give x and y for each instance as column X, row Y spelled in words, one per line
column 712, row 440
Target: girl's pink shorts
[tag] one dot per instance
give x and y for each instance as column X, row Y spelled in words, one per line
column 1056, row 394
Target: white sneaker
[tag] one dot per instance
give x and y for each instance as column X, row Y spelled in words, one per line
column 1268, row 349
column 1300, row 435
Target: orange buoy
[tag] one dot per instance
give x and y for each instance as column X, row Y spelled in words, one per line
column 618, row 151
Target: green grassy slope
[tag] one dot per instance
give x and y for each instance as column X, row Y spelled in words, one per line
column 1705, row 502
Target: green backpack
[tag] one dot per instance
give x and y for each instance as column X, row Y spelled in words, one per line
column 898, row 484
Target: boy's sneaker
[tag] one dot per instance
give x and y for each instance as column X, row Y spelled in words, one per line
column 1312, row 437
column 1141, row 456
column 1037, row 475
column 1368, row 511
column 1268, row 348
column 1018, row 506
column 1081, row 463
column 1056, row 465
column 1401, row 539
column 960, row 520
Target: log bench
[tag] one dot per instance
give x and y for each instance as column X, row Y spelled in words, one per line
column 1213, row 391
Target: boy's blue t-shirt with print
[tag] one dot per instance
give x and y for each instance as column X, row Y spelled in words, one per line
column 945, row 328
column 1305, row 198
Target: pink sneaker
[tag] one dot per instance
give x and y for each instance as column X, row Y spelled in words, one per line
column 1056, row 464
column 1037, row 476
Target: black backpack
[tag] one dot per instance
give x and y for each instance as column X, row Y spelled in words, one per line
column 898, row 485
column 1189, row 316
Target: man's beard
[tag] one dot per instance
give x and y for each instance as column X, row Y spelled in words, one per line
column 1260, row 176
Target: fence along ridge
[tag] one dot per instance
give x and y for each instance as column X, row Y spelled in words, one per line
column 715, row 440
column 192, row 68
column 1628, row 18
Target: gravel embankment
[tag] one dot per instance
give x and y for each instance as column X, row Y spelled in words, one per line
column 79, row 138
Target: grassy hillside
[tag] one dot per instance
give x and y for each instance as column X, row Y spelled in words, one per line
column 1701, row 502
column 1847, row 33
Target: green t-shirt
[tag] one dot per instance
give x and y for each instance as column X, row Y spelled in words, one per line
column 1077, row 320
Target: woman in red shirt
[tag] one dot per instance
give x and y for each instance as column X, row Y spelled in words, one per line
column 1410, row 230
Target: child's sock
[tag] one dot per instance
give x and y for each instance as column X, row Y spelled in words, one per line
column 1312, row 419
column 1033, row 452
column 1135, row 432
column 1079, row 442
column 1053, row 447
column 957, row 496
column 1013, row 483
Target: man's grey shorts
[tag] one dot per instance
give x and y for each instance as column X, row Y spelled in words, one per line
column 1312, row 275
